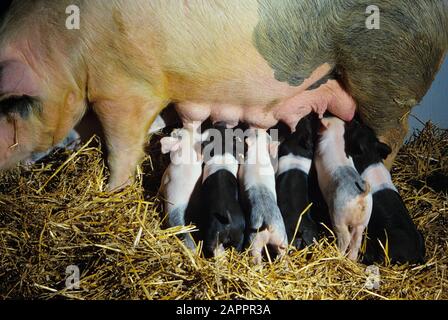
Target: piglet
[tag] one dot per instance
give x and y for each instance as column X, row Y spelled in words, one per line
column 390, row 223
column 295, row 156
column 182, row 175
column 265, row 223
column 222, row 222
column 347, row 195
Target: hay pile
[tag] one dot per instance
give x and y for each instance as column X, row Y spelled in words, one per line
column 55, row 215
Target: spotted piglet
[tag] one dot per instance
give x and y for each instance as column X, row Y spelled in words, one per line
column 265, row 223
column 182, row 176
column 390, row 224
column 347, row 195
column 295, row 156
column 222, row 223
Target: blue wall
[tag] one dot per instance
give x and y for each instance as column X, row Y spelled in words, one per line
column 434, row 106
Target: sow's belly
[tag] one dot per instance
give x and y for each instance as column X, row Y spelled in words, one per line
column 263, row 102
column 225, row 69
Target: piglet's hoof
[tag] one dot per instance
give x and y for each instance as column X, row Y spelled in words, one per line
column 116, row 186
column 271, row 238
column 116, row 189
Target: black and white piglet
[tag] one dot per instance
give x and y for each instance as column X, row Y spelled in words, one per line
column 390, row 222
column 347, row 195
column 265, row 226
column 222, row 221
column 295, row 157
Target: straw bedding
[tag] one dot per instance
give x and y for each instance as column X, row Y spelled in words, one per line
column 55, row 214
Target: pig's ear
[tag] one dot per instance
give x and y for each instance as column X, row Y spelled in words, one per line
column 17, row 78
column 383, row 150
column 169, row 144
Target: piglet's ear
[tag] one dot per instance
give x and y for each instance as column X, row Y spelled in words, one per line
column 17, row 78
column 169, row 144
column 383, row 150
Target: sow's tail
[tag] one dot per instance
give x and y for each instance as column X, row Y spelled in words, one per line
column 389, row 70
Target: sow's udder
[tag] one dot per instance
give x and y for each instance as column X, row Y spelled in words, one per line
column 288, row 109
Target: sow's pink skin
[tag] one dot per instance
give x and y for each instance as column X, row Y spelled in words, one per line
column 347, row 195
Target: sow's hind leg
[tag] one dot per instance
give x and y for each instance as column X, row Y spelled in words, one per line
column 385, row 75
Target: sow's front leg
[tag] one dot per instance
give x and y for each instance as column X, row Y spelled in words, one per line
column 125, row 126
